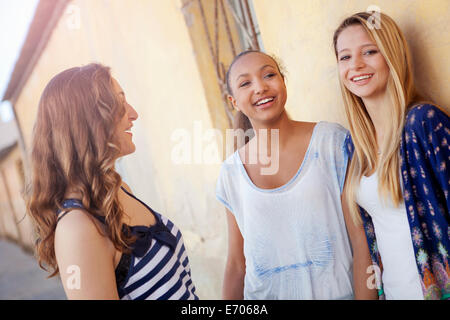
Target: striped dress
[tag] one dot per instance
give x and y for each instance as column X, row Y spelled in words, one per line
column 158, row 266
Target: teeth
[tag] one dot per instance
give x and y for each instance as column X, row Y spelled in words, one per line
column 362, row 77
column 264, row 101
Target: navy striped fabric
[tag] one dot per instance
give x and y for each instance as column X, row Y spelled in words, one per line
column 162, row 272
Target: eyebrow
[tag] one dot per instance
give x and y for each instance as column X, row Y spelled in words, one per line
column 364, row 45
column 246, row 74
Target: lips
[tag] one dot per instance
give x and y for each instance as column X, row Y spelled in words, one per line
column 128, row 130
column 264, row 102
column 361, row 77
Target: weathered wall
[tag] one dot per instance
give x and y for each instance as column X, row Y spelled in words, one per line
column 14, row 224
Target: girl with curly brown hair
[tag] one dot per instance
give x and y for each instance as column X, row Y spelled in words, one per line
column 103, row 241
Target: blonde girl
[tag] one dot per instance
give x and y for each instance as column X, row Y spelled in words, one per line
column 398, row 178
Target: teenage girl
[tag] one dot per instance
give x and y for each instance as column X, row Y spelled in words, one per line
column 398, row 178
column 287, row 232
column 92, row 231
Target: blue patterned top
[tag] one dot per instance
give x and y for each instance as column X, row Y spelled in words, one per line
column 425, row 157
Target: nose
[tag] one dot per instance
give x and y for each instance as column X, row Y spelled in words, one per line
column 357, row 62
column 260, row 86
column 132, row 114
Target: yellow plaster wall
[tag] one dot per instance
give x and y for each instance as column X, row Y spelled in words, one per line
column 14, row 224
column 8, row 222
column 13, row 180
column 222, row 49
column 300, row 33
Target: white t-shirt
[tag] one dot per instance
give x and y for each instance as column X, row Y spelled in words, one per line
column 400, row 276
column 295, row 239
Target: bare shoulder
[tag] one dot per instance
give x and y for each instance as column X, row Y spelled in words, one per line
column 77, row 220
column 84, row 253
column 77, row 228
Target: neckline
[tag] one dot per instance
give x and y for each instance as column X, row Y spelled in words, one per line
column 305, row 158
column 157, row 218
column 369, row 177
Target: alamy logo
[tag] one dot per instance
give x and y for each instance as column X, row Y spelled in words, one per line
column 207, row 146
column 374, row 281
column 374, row 21
column 73, row 21
column 73, row 282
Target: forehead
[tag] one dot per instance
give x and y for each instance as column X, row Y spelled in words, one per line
column 353, row 36
column 251, row 62
column 116, row 86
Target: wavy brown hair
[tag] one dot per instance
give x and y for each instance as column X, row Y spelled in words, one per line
column 74, row 149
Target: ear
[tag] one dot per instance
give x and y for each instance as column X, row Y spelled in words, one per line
column 233, row 102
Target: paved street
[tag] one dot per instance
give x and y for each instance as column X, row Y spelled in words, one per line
column 22, row 278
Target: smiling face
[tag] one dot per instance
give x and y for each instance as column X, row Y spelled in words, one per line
column 123, row 129
column 258, row 87
column 362, row 68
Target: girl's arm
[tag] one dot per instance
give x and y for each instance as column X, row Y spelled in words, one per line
column 85, row 258
column 361, row 257
column 233, row 282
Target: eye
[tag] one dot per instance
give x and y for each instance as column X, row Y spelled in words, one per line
column 244, row 84
column 343, row 58
column 371, row 52
column 270, row 75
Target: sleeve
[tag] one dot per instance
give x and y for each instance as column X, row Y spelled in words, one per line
column 344, row 162
column 222, row 187
column 429, row 128
column 349, row 147
column 346, row 156
column 339, row 154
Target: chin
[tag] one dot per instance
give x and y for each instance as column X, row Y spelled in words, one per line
column 127, row 151
column 132, row 150
column 362, row 93
column 272, row 117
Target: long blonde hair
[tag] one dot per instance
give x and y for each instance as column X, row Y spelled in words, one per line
column 401, row 93
column 74, row 148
